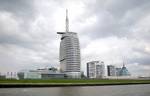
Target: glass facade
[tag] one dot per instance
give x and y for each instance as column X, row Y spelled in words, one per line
column 124, row 72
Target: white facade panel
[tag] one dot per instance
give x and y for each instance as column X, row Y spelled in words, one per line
column 95, row 69
column 69, row 56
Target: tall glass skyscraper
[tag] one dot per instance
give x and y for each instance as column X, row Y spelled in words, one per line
column 69, row 53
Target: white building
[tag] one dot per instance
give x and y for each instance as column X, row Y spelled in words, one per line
column 32, row 75
column 41, row 74
column 95, row 69
column 69, row 55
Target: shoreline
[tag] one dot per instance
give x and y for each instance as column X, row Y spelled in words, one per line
column 36, row 85
column 67, row 83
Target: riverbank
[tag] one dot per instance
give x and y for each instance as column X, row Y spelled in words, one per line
column 67, row 82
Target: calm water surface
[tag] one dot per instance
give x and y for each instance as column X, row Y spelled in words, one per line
column 120, row 90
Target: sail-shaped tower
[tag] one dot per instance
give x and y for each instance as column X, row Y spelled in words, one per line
column 69, row 53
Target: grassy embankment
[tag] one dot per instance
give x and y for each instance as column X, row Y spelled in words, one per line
column 74, row 81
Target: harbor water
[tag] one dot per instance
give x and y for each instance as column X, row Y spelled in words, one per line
column 117, row 90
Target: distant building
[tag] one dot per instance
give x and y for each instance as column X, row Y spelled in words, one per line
column 21, row 75
column 32, row 74
column 2, row 77
column 124, row 71
column 111, row 70
column 69, row 54
column 95, row 69
column 118, row 71
column 41, row 74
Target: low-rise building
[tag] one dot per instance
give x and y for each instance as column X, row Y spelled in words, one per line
column 2, row 77
column 41, row 74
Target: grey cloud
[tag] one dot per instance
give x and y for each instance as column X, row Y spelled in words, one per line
column 22, row 11
column 17, row 28
column 142, row 57
column 13, row 40
column 140, row 61
column 18, row 15
column 21, row 8
column 116, row 18
column 121, row 7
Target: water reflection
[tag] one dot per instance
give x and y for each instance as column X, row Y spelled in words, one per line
column 70, row 91
column 121, row 90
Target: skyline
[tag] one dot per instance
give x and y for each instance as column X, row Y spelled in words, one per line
column 108, row 30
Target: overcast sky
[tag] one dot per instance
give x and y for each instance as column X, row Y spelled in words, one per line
column 109, row 30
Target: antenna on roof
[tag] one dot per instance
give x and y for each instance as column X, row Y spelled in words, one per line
column 123, row 62
column 67, row 21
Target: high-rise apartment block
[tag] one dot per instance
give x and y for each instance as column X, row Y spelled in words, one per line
column 95, row 69
column 111, row 70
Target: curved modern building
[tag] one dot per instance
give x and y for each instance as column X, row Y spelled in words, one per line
column 69, row 53
column 124, row 71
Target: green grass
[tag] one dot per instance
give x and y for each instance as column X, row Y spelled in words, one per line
column 76, row 81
